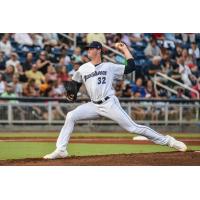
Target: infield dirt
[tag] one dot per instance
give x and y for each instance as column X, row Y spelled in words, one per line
column 144, row 159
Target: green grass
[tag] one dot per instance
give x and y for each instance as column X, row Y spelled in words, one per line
column 99, row 135
column 17, row 150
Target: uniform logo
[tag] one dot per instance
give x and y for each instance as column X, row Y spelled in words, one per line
column 95, row 73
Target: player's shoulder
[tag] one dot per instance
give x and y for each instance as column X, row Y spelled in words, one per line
column 110, row 64
column 83, row 66
column 107, row 63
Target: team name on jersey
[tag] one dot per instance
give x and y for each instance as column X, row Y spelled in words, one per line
column 95, row 73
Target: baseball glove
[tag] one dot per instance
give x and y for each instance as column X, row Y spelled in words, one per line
column 72, row 88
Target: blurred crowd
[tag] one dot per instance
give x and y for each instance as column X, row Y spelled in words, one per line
column 37, row 65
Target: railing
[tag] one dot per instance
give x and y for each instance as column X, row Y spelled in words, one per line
column 174, row 81
column 72, row 39
column 53, row 111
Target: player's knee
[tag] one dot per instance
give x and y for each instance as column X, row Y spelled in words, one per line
column 70, row 116
column 137, row 130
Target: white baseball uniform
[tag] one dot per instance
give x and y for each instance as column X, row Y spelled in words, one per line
column 98, row 81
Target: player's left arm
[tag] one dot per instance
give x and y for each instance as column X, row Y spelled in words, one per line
column 72, row 88
column 130, row 66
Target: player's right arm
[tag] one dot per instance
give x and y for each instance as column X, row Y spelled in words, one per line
column 130, row 66
column 124, row 49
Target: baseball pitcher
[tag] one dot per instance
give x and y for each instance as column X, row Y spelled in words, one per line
column 98, row 76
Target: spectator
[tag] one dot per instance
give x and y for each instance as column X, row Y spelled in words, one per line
column 188, row 59
column 50, row 38
column 50, row 55
column 62, row 73
column 85, row 57
column 76, row 66
column 47, row 89
column 17, row 87
column 9, row 92
column 127, row 92
column 2, row 62
column 170, row 36
column 116, row 38
column 175, row 74
column 13, row 61
column 23, row 39
column 186, row 36
column 158, row 36
column 37, row 39
column 178, row 52
column 43, row 62
column 77, row 55
column 138, row 89
column 194, row 69
column 152, row 49
column 21, row 74
column 36, row 75
column 169, row 40
column 185, row 72
column 5, row 45
column 9, row 73
column 126, row 39
column 100, row 37
column 66, row 60
column 154, row 66
column 180, row 95
column 194, row 51
column 137, row 38
column 197, row 88
column 119, row 87
column 30, row 89
column 59, row 89
column 28, row 62
column 51, row 74
column 2, row 84
column 166, row 67
column 149, row 90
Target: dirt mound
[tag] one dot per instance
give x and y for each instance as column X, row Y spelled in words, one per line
column 142, row 159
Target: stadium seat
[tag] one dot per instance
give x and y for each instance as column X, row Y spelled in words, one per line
column 138, row 47
column 70, row 52
column 139, row 55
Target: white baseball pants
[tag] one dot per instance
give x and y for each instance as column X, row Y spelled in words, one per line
column 112, row 110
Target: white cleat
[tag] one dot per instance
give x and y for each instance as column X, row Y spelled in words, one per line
column 180, row 146
column 56, row 154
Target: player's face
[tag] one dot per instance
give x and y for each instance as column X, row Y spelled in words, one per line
column 93, row 53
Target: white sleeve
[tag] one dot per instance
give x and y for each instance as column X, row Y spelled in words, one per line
column 77, row 77
column 118, row 70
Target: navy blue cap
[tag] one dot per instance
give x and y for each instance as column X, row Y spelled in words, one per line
column 95, row 44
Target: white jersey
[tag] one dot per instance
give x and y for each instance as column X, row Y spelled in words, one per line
column 98, row 79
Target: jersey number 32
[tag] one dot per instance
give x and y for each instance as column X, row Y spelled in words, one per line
column 101, row 80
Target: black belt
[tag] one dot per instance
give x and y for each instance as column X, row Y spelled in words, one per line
column 101, row 101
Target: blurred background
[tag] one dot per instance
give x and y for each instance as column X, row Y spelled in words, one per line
column 163, row 91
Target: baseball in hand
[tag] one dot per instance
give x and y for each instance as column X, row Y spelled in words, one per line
column 118, row 45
